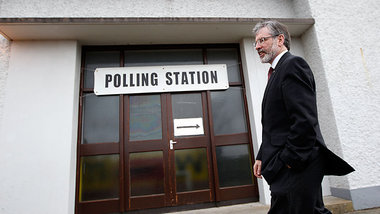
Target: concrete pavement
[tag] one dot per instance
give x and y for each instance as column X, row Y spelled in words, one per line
column 335, row 205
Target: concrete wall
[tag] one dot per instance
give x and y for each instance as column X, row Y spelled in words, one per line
column 38, row 138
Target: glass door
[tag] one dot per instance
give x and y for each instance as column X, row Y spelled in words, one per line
column 150, row 159
column 168, row 151
column 189, row 145
column 146, row 163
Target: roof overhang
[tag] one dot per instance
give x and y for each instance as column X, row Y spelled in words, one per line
column 139, row 30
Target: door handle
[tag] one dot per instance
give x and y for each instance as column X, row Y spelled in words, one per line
column 171, row 144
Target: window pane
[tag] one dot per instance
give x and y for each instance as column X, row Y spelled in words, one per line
column 100, row 119
column 187, row 106
column 145, row 117
column 228, row 158
column 163, row 57
column 99, row 177
column 227, row 56
column 96, row 60
column 191, row 169
column 147, row 173
column 228, row 111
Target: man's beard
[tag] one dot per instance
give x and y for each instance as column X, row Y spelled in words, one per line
column 270, row 56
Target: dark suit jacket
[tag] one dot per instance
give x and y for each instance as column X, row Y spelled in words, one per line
column 290, row 122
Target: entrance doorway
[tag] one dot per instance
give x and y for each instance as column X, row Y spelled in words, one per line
column 163, row 150
column 169, row 166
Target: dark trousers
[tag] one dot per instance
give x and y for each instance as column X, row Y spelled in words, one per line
column 299, row 192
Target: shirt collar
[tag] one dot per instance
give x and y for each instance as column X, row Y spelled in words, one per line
column 278, row 57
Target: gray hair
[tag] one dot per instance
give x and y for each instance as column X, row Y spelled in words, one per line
column 275, row 28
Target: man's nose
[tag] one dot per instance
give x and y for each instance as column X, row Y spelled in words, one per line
column 257, row 46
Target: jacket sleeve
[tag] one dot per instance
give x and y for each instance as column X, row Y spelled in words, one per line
column 259, row 155
column 298, row 91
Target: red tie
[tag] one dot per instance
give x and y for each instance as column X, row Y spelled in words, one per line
column 270, row 72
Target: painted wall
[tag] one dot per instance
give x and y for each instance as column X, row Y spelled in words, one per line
column 38, row 138
column 4, row 59
column 147, row 8
column 342, row 48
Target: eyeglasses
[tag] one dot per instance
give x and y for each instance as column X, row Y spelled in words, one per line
column 263, row 39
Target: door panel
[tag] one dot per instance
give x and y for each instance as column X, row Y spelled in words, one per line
column 228, row 111
column 187, row 105
column 187, row 111
column 145, row 118
column 99, row 177
column 192, row 155
column 191, row 167
column 99, row 125
column 228, row 157
column 147, row 173
column 228, row 56
column 146, row 159
column 157, row 173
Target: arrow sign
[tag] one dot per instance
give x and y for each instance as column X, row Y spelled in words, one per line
column 188, row 126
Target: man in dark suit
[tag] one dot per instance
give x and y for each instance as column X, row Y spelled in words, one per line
column 293, row 157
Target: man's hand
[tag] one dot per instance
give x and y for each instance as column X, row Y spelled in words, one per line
column 257, row 169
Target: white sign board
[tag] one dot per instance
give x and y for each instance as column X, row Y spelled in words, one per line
column 188, row 126
column 158, row 79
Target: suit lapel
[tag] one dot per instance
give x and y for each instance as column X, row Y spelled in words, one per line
column 276, row 71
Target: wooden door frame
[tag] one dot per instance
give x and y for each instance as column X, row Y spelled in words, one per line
column 123, row 203
column 197, row 196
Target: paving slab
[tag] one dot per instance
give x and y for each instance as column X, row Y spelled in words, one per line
column 336, row 205
column 256, row 208
column 367, row 211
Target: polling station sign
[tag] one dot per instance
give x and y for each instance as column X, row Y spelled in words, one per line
column 159, row 79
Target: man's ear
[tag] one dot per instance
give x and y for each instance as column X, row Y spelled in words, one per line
column 281, row 39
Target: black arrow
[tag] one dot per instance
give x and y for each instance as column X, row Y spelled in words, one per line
column 186, row 127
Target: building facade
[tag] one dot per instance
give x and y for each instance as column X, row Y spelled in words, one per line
column 65, row 149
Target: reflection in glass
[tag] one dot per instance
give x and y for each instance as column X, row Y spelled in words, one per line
column 228, row 111
column 163, row 57
column 227, row 56
column 96, row 60
column 187, row 106
column 99, row 177
column 191, row 169
column 147, row 173
column 234, row 165
column 145, row 117
column 100, row 119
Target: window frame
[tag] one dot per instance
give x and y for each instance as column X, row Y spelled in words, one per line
column 102, row 148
